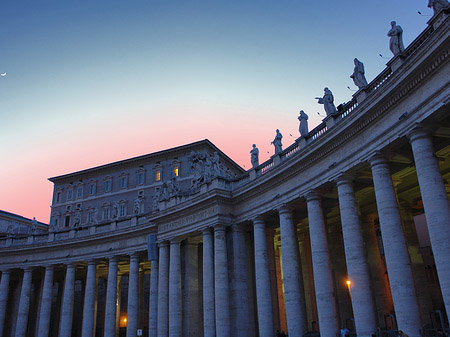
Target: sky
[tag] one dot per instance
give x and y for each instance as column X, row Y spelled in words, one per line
column 92, row 82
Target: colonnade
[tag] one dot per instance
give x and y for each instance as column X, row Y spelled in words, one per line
column 225, row 305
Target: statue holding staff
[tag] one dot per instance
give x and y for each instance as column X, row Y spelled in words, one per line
column 328, row 102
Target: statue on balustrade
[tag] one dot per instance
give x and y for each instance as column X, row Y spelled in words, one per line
column 303, row 127
column 358, row 74
column 138, row 205
column 437, row 5
column 34, row 227
column 277, row 142
column 77, row 219
column 254, row 156
column 328, row 102
column 396, row 39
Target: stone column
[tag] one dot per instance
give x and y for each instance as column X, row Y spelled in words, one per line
column 294, row 296
column 87, row 328
column 174, row 289
column 24, row 304
column 133, row 296
column 191, row 289
column 221, row 286
column 4, row 291
column 263, row 289
column 65, row 325
column 436, row 205
column 396, row 252
column 46, row 303
column 163, row 290
column 240, row 276
column 357, row 269
column 209, row 315
column 111, row 298
column 323, row 280
column 153, row 302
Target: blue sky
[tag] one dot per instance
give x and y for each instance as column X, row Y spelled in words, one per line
column 90, row 82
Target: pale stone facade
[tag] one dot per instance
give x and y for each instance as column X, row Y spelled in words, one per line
column 248, row 253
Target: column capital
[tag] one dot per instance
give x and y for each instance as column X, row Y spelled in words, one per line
column 175, row 241
column 92, row 263
column 27, row 269
column 207, row 231
column 49, row 267
column 134, row 256
column 6, row 271
column 345, row 179
column 258, row 221
column 419, row 132
column 284, row 209
column 378, row 158
column 164, row 243
column 237, row 228
column 220, row 228
column 312, row 195
column 113, row 259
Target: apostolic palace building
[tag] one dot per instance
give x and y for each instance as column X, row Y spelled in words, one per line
column 349, row 227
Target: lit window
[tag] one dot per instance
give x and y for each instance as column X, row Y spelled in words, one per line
column 79, row 192
column 69, row 194
column 175, row 170
column 158, row 175
column 92, row 189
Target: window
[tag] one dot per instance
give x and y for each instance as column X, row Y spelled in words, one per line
column 140, row 193
column 175, row 171
column 158, row 175
column 123, row 209
column 140, row 178
column 67, row 221
column 69, row 194
column 106, row 213
column 79, row 206
column 58, row 196
column 108, row 185
column 123, row 181
column 92, row 188
column 79, row 192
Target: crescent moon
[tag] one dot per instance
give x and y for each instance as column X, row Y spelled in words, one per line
column 3, row 74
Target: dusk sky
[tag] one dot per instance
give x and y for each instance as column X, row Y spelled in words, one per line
column 92, row 82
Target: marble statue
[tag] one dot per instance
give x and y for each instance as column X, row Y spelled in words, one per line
column 437, row 5
column 173, row 188
column 115, row 210
column 277, row 142
column 396, row 41
column 77, row 219
column 137, row 205
column 34, row 226
column 10, row 230
column 254, row 155
column 358, row 74
column 328, row 102
column 95, row 215
column 155, row 203
column 215, row 164
column 303, row 127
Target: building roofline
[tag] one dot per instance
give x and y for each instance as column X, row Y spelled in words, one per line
column 144, row 157
column 19, row 217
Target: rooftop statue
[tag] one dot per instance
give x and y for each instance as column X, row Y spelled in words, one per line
column 277, row 142
column 437, row 5
column 396, row 41
column 303, row 127
column 328, row 102
column 358, row 74
column 254, row 153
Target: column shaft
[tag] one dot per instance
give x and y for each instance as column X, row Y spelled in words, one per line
column 111, row 299
column 46, row 303
column 24, row 304
column 263, row 288
column 323, row 280
column 436, row 205
column 4, row 291
column 163, row 290
column 357, row 269
column 294, row 296
column 133, row 296
column 174, row 290
column 396, row 253
column 153, row 302
column 65, row 327
column 87, row 329
column 240, row 281
column 222, row 291
column 209, row 316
